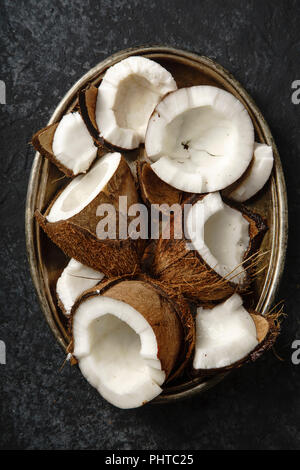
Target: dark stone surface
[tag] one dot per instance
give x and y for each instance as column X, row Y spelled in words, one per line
column 45, row 47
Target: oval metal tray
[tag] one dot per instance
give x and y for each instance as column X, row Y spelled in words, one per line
column 47, row 261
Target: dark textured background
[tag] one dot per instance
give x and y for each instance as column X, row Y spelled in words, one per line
column 45, row 47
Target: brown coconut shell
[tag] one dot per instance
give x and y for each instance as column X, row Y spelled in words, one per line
column 186, row 272
column 267, row 331
column 42, row 142
column 145, row 294
column 155, row 307
column 87, row 100
column 77, row 236
column 184, row 311
column 153, row 189
column 61, row 306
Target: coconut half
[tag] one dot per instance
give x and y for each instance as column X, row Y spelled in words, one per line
column 67, row 144
column 74, row 280
column 256, row 175
column 126, row 98
column 84, row 189
column 127, row 338
column 205, row 263
column 199, row 139
column 220, row 234
column 72, row 218
column 227, row 335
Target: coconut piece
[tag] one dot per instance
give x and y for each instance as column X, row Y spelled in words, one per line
column 227, row 335
column 71, row 219
column 256, row 175
column 87, row 99
column 126, row 97
column 67, row 144
column 199, row 139
column 209, row 262
column 127, row 339
column 87, row 189
column 74, row 280
column 153, row 189
column 222, row 237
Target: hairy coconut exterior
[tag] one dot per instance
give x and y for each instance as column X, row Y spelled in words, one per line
column 153, row 189
column 77, row 235
column 112, row 257
column 184, row 312
column 155, row 307
column 183, row 308
column 186, row 272
column 42, row 142
column 267, row 331
column 148, row 256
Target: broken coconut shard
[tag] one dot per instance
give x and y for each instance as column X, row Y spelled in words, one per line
column 256, row 175
column 154, row 190
column 71, row 219
column 199, row 139
column 212, row 263
column 221, row 237
column 73, row 281
column 116, row 114
column 127, row 96
column 67, row 144
column 228, row 335
column 127, row 340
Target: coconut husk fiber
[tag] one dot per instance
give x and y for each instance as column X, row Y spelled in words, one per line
column 153, row 189
column 186, row 272
column 77, row 235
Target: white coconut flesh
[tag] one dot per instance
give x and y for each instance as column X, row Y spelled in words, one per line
column 127, row 96
column 117, row 351
column 74, row 280
column 199, row 139
column 258, row 174
column 84, row 188
column 72, row 144
column 220, row 234
column 225, row 334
